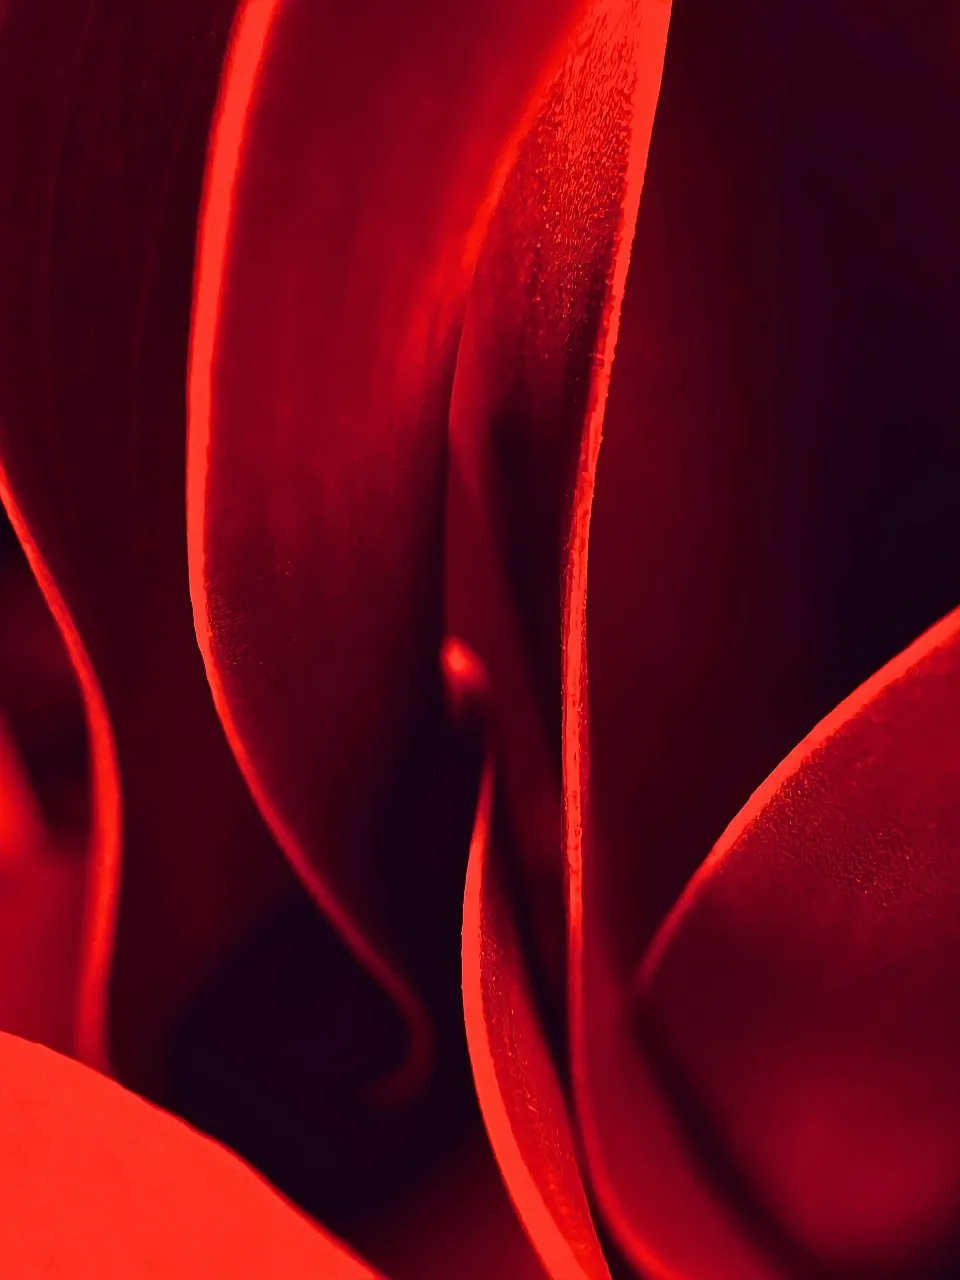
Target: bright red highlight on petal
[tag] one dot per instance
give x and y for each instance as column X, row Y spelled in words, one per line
column 103, row 858
column 663, row 1213
column 107, row 108
column 804, row 986
column 100, row 1185
column 329, row 293
column 520, row 1096
column 410, row 272
column 239, row 85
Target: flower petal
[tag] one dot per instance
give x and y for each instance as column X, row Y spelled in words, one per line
column 517, row 1084
column 661, row 1210
column 778, row 477
column 95, row 1182
column 755, row 446
column 805, row 987
column 106, row 109
column 537, row 311
column 357, row 154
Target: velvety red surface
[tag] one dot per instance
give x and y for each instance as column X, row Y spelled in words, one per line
column 452, row 453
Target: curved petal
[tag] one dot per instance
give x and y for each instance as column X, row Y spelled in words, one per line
column 805, row 986
column 778, row 477
column 88, row 1018
column 95, row 1182
column 701, row 616
column 516, row 1080
column 106, row 109
column 356, row 157
column 39, row 698
column 523, row 386
column 662, row 1212
column 762, row 453
column 538, row 312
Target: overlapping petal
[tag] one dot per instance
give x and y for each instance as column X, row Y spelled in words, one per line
column 526, row 378
column 517, row 1081
column 99, row 1185
column 412, row 265
column 106, row 108
column 768, row 442
column 356, row 159
column 804, row 988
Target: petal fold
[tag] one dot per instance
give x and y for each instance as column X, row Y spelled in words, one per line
column 659, row 1206
column 106, row 109
column 517, row 1084
column 357, row 155
column 804, row 988
column 536, row 319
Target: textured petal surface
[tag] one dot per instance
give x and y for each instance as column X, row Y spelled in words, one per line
column 106, row 107
column 353, row 151
column 805, row 988
column 659, row 1205
column 776, row 503
column 520, row 1096
column 778, row 482
column 524, row 384
column 97, row 1183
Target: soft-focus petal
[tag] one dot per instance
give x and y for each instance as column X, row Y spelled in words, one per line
column 97, row 1184
column 700, row 614
column 357, row 153
column 805, row 989
column 106, row 107
column 778, row 492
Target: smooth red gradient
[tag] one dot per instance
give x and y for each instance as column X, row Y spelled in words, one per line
column 95, row 1182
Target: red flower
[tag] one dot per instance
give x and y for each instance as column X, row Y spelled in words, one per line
column 358, row 276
